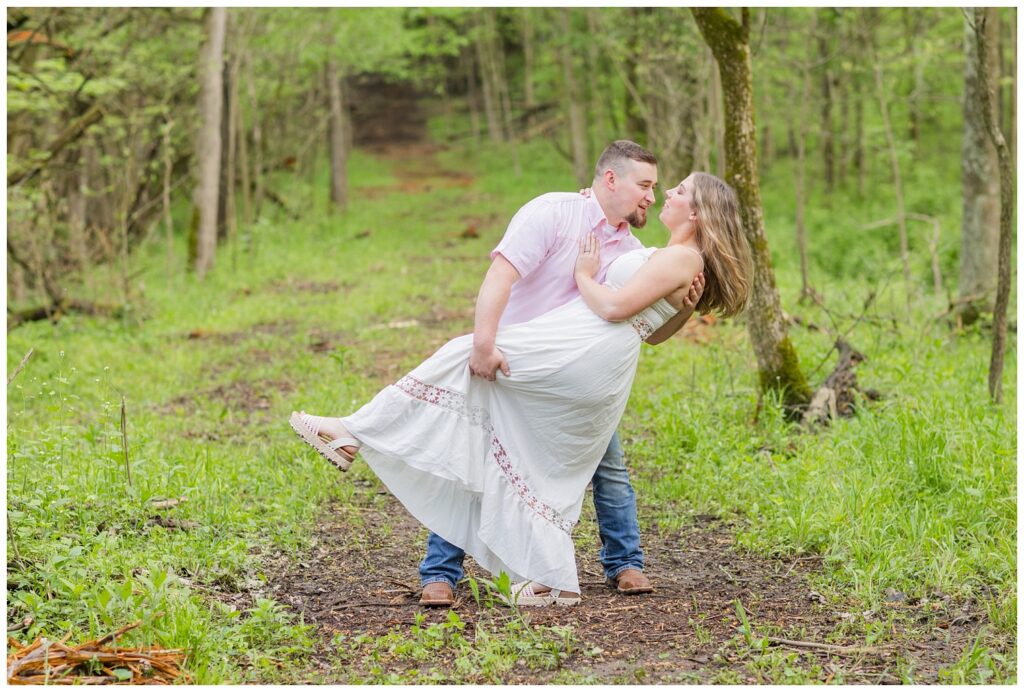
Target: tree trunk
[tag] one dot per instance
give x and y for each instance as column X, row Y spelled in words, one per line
column 801, row 185
column 208, row 149
column 983, row 18
column 859, row 162
column 717, row 121
column 529, row 94
column 231, row 169
column 702, row 140
column 472, row 96
column 77, row 192
column 595, row 88
column 778, row 364
column 767, row 140
column 257, row 140
column 490, row 91
column 979, row 167
column 1011, row 73
column 501, row 82
column 577, row 118
column 244, row 180
column 828, row 148
column 339, row 154
column 897, row 181
column 225, row 152
column 166, row 197
column 842, row 97
column 635, row 129
column 912, row 52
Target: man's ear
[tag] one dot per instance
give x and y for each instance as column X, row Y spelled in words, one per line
column 609, row 178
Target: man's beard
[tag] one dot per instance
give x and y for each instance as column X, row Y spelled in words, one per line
column 637, row 219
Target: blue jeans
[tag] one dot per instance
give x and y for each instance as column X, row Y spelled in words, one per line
column 617, row 523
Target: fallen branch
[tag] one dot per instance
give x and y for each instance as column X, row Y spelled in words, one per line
column 46, row 662
column 831, row 648
column 276, row 199
column 54, row 311
column 20, row 366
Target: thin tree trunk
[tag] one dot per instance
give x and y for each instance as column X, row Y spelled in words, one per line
column 208, row 149
column 257, row 140
column 491, row 98
column 767, row 140
column 778, row 364
column 231, row 168
column 828, row 148
column 529, row 93
column 577, row 119
column 473, row 96
column 77, row 208
column 702, row 144
column 501, row 81
column 801, row 186
column 983, row 17
column 897, row 181
column 225, row 151
column 979, row 167
column 912, row 51
column 168, row 222
column 595, row 81
column 243, row 161
column 843, row 99
column 1011, row 72
column 339, row 155
column 717, row 122
column 859, row 162
column 635, row 129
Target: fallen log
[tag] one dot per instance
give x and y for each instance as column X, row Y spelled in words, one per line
column 54, row 312
column 837, row 395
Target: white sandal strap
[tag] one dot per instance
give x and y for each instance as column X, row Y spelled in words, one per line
column 313, row 423
column 343, row 442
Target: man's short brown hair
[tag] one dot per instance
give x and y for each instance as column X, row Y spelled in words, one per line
column 618, row 152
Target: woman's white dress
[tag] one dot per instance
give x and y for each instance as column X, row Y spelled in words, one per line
column 500, row 468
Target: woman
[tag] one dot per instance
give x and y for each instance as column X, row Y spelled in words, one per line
column 500, row 468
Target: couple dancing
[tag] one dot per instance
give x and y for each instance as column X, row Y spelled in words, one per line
column 492, row 441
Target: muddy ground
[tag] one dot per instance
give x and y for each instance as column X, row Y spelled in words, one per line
column 360, row 577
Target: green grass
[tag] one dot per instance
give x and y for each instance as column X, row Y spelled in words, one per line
column 917, row 492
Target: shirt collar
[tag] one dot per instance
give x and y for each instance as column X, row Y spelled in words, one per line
column 598, row 219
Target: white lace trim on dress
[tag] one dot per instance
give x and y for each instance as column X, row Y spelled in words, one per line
column 642, row 327
column 456, row 403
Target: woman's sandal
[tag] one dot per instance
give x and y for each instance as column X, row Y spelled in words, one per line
column 523, row 594
column 309, row 428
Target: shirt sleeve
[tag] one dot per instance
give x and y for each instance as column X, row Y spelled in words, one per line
column 531, row 235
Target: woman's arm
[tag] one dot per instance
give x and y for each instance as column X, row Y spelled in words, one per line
column 668, row 330
column 663, row 273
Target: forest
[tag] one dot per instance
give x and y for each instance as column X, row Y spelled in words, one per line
column 217, row 216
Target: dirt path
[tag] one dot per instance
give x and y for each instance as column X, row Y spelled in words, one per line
column 360, row 578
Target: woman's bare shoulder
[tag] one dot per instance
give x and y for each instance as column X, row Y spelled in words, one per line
column 679, row 254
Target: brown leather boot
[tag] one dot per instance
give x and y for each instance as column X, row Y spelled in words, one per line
column 630, row 582
column 437, row 594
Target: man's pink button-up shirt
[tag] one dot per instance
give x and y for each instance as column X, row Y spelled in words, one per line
column 542, row 242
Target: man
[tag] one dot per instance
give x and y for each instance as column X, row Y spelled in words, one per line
column 531, row 273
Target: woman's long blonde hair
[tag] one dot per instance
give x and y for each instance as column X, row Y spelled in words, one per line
column 727, row 265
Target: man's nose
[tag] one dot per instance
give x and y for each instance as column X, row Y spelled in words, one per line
column 650, row 196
